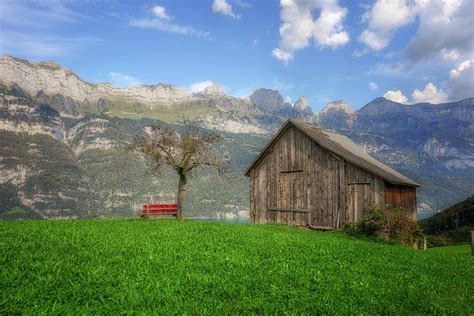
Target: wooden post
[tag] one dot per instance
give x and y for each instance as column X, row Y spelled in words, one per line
column 425, row 244
column 472, row 242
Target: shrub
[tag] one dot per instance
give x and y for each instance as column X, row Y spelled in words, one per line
column 390, row 224
column 350, row 228
column 373, row 220
column 402, row 227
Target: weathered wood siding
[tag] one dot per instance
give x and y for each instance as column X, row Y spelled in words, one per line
column 362, row 187
column 401, row 196
column 297, row 183
column 300, row 183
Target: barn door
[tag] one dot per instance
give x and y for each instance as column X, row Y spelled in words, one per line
column 292, row 193
column 359, row 197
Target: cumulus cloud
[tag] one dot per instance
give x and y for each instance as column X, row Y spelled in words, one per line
column 299, row 26
column 373, row 86
column 282, row 55
column 160, row 12
column 200, row 86
column 121, row 80
column 223, row 7
column 444, row 26
column 430, row 94
column 385, row 18
column 461, row 81
column 396, row 95
column 444, row 30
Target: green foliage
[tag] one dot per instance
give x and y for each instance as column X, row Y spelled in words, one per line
column 391, row 224
column 452, row 225
column 8, row 197
column 129, row 109
column 373, row 221
column 168, row 267
column 402, row 227
column 54, row 180
column 111, row 182
column 11, row 206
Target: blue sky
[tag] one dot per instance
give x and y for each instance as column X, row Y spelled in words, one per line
column 325, row 50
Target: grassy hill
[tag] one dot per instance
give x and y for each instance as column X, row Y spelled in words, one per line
column 169, row 267
column 452, row 225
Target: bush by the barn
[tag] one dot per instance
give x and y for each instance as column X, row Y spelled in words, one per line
column 389, row 224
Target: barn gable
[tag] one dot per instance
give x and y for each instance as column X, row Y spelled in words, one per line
column 341, row 146
column 307, row 176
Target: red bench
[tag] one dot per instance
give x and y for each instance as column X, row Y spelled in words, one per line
column 159, row 209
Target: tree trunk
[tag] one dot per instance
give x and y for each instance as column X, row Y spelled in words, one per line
column 181, row 191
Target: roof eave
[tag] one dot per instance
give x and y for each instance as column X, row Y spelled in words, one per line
column 290, row 122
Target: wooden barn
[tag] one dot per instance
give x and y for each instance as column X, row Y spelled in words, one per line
column 308, row 176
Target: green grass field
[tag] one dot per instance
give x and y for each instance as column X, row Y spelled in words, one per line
column 464, row 250
column 168, row 267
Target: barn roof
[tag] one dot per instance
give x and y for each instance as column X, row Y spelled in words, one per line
column 341, row 146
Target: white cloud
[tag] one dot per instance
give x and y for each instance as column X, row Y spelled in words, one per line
column 391, row 69
column 456, row 72
column 396, row 95
column 299, row 26
column 160, row 12
column 223, row 7
column 165, row 26
column 449, row 54
column 373, row 86
column 41, row 15
column 200, row 86
column 430, row 94
column 461, row 81
column 121, row 80
column 385, row 18
column 242, row 4
column 282, row 55
column 444, row 26
column 444, row 29
column 29, row 29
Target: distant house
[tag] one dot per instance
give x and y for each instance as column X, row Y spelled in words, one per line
column 308, row 176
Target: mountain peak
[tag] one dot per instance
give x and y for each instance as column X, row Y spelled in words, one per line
column 302, row 105
column 213, row 90
column 268, row 99
column 339, row 106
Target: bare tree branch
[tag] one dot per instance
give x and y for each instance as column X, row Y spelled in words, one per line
column 184, row 150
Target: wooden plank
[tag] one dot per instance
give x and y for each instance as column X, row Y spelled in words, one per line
column 472, row 242
column 292, row 171
column 342, row 185
column 289, row 210
column 321, row 227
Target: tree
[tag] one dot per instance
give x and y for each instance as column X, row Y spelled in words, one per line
column 183, row 149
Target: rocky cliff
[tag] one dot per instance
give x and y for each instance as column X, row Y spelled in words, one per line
column 61, row 140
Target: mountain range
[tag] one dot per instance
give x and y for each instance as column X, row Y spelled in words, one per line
column 61, row 140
